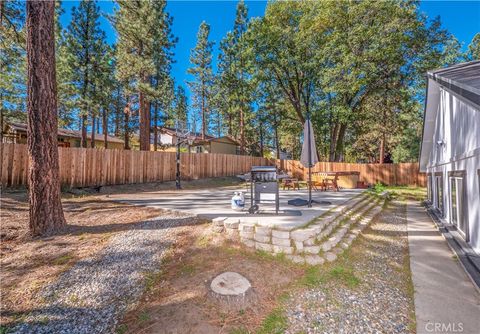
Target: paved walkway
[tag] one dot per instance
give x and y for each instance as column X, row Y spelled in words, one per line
column 445, row 299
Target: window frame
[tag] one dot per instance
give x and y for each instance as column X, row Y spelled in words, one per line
column 439, row 195
column 461, row 223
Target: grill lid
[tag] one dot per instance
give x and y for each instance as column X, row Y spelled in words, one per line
column 264, row 169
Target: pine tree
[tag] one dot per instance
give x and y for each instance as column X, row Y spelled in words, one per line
column 201, row 58
column 181, row 104
column 136, row 25
column 473, row 52
column 85, row 43
column 46, row 213
column 12, row 61
column 235, row 71
column 65, row 89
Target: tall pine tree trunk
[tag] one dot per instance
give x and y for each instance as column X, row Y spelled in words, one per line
column 381, row 157
column 105, row 127
column 144, row 122
column 46, row 213
column 261, row 140
column 84, row 131
column 118, row 114
column 126, row 130
column 203, row 111
column 242, row 131
column 92, row 138
column 155, row 129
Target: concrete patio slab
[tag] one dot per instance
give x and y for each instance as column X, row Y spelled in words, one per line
column 214, row 203
column 445, row 299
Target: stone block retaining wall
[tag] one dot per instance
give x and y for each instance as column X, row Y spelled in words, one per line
column 320, row 240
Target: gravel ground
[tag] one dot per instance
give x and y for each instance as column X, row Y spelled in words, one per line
column 380, row 303
column 92, row 295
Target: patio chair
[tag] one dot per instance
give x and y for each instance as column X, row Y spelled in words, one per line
column 291, row 183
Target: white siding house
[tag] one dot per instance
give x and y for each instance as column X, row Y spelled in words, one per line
column 450, row 153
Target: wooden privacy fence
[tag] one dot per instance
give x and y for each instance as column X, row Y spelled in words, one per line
column 88, row 167
column 402, row 174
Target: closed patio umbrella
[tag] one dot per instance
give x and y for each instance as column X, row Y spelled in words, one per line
column 309, row 155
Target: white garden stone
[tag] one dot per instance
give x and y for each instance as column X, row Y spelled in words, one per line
column 261, row 238
column 281, row 234
column 281, row 242
column 232, row 223
column 218, row 221
column 309, row 242
column 311, row 249
column 326, row 246
column 299, row 246
column 246, row 227
column 296, row 258
column 282, row 249
column 330, row 257
column 246, row 235
column 314, row 260
column 248, row 242
column 303, row 234
column 263, row 230
column 263, row 247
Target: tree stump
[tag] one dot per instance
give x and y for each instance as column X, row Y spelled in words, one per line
column 231, row 289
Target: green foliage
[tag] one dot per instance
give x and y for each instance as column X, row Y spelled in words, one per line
column 85, row 47
column 274, row 323
column 121, row 329
column 239, row 331
column 313, row 276
column 201, row 86
column 344, row 275
column 361, row 86
column 12, row 61
column 235, row 84
column 379, row 188
column 473, row 52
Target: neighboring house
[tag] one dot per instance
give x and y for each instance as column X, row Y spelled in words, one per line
column 224, row 145
column 284, row 155
column 17, row 133
column 167, row 139
column 450, row 153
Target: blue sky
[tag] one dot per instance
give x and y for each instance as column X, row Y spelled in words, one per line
column 462, row 18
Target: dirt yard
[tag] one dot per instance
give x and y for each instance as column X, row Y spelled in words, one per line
column 30, row 263
column 178, row 299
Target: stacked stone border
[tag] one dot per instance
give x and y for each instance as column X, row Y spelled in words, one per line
column 319, row 241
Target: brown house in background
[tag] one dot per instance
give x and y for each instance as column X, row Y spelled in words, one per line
column 17, row 133
column 224, row 145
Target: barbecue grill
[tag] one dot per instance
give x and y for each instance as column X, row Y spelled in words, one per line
column 263, row 187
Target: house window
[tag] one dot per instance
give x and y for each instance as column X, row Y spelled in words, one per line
column 457, row 205
column 199, row 149
column 439, row 193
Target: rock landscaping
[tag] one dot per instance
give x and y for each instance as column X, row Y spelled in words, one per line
column 368, row 290
column 319, row 241
column 95, row 292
